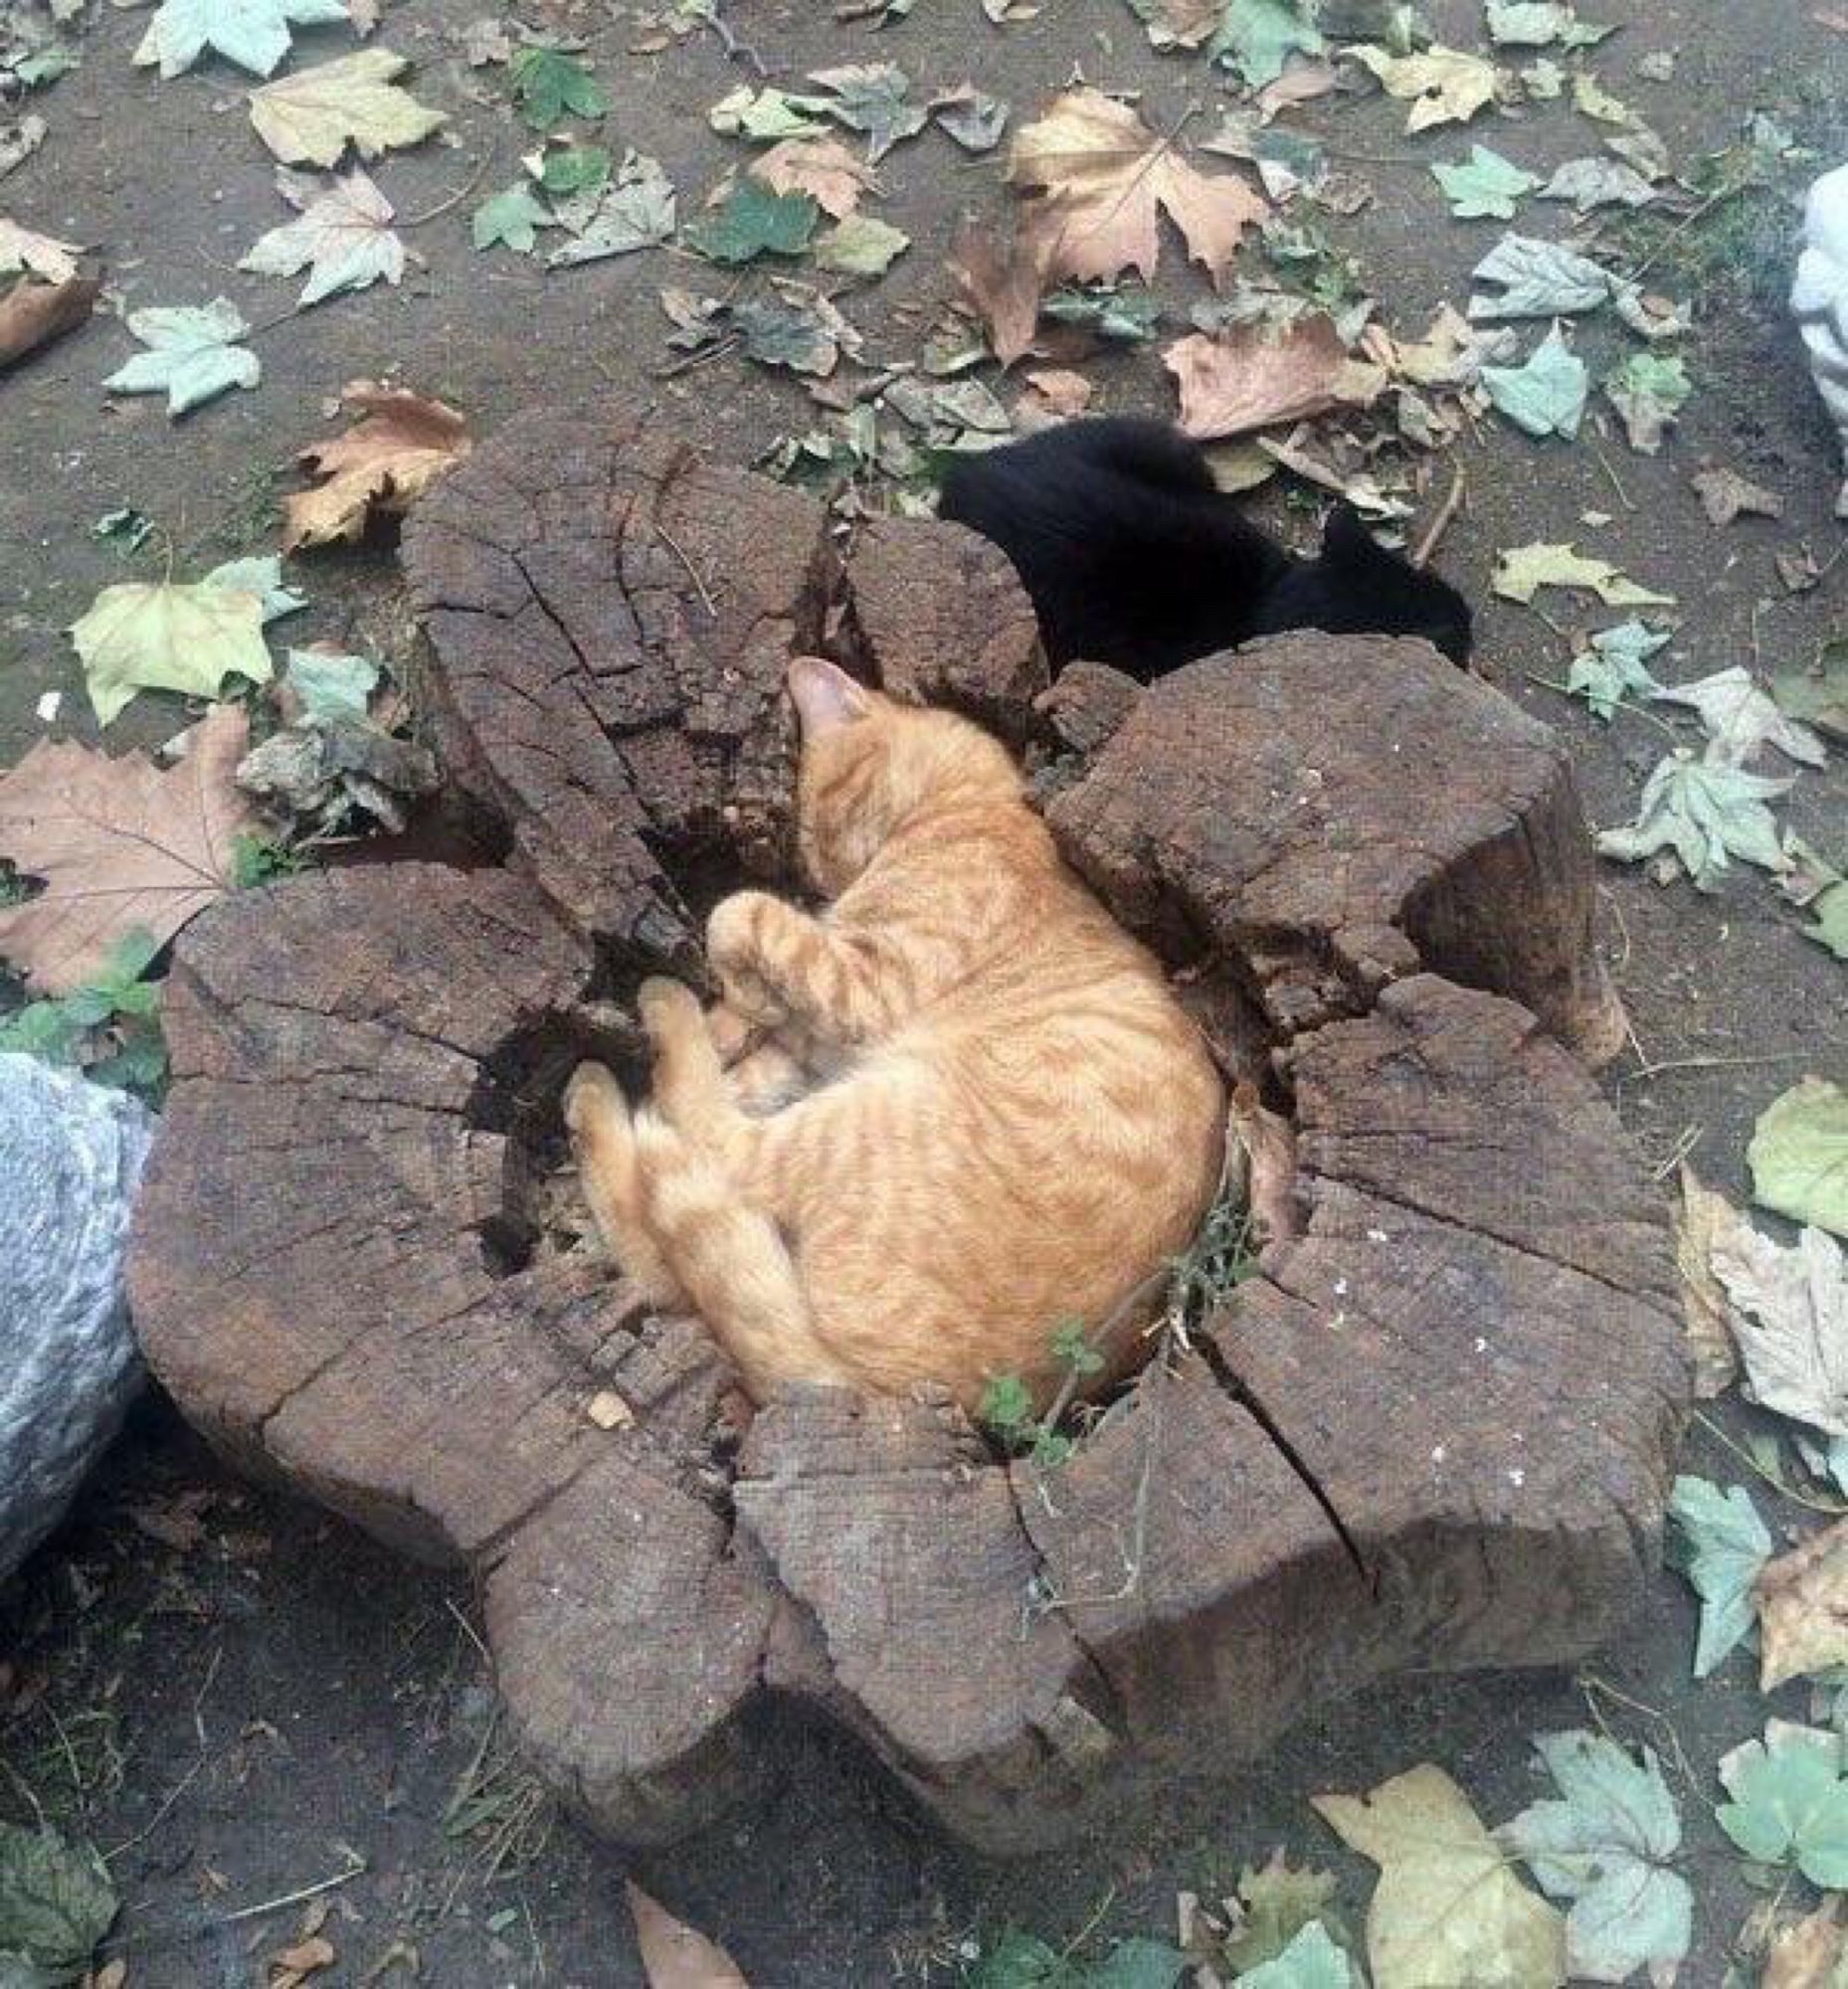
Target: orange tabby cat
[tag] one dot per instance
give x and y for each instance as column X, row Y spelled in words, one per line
column 1016, row 1124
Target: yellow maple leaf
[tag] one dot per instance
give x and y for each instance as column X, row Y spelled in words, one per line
column 163, row 636
column 1445, row 85
column 311, row 116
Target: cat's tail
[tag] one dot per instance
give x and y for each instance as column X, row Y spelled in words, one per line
column 731, row 1260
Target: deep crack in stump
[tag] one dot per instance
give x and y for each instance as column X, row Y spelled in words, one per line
column 1434, row 1430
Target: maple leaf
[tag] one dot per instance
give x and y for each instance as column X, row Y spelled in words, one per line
column 636, row 210
column 254, row 34
column 1445, row 85
column 1803, row 1598
column 1741, row 719
column 1724, row 494
column 1096, row 178
column 1705, row 815
column 1001, row 280
column 161, row 635
column 343, row 238
column 822, row 168
column 513, row 217
column 860, row 246
column 1250, row 377
column 400, row 446
column 1484, row 186
column 192, row 354
column 120, row 844
column 1522, row 570
column 873, row 98
column 38, row 254
column 553, row 86
column 310, row 117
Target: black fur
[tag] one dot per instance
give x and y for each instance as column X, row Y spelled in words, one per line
column 1133, row 557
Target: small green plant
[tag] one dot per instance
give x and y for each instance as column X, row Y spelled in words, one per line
column 109, row 1028
column 255, row 860
column 1007, row 1403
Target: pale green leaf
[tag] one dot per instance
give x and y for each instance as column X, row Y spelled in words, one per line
column 163, row 636
column 1311, row 1961
column 310, row 117
column 873, row 98
column 1706, row 814
column 1799, row 1156
column 1742, row 720
column 637, row 210
column 860, row 246
column 192, row 354
column 1537, row 278
column 1522, row 570
column 254, row 34
column 514, row 217
column 1595, row 183
column 56, row 1903
column 1277, row 1902
column 767, row 115
column 1483, row 185
column 1790, row 1802
column 1720, row 1545
column 1256, row 38
column 1615, row 668
column 1648, row 390
column 331, row 686
column 1817, row 693
column 1540, row 23
column 1545, row 395
column 343, row 237
column 1606, row 1845
column 260, row 575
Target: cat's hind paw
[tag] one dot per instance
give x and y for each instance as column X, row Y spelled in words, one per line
column 593, row 1099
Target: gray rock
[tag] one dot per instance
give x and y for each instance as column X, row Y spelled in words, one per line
column 70, row 1155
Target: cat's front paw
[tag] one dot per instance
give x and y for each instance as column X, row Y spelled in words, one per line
column 733, row 947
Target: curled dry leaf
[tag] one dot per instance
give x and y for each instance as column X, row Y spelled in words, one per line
column 1725, row 495
column 1096, row 178
column 1708, row 1312
column 1802, row 1601
column 120, row 844
column 673, row 1955
column 1263, row 1147
column 822, row 168
column 1000, row 279
column 39, row 254
column 402, row 442
column 1062, row 393
column 1248, row 378
column 32, row 314
column 1807, row 1954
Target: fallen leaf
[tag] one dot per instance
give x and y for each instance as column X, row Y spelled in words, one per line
column 1606, row 1845
column 260, row 575
column 971, row 118
column 326, row 684
column 343, row 238
column 310, row 117
column 1596, row 183
column 33, row 314
column 19, row 140
column 1798, row 570
column 1593, row 101
column 636, row 210
column 513, row 217
column 1707, row 1312
column 1062, row 393
column 398, row 446
column 1545, row 395
column 1798, row 1155
column 1447, row 1907
column 1705, row 815
column 1312, row 1960
column 553, row 86
column 1277, row 1902
column 1537, row 278
column 1808, row 1953
column 192, row 354
column 566, row 171
column 163, row 636
column 1789, row 1801
column 1540, row 23
column 120, row 843
column 674, row 1956
column 860, row 246
column 1000, row 282
column 1444, row 85
column 1521, row 571
column 1742, row 720
column 1484, row 185
column 1248, row 378
column 484, row 42
column 1256, row 38
column 1648, row 391
column 254, row 34
column 290, row 1966
column 1614, row 669
column 1178, row 24
column 1804, row 1603
column 319, row 776
column 822, row 168
column 765, row 114
column 1818, row 692
column 873, row 98
column 801, row 331
column 753, row 221
column 57, row 1903
column 1096, row 178
column 1725, row 494
column 38, row 254
column 1720, row 1545
column 607, row 1410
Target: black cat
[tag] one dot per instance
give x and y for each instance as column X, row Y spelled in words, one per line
column 1133, row 557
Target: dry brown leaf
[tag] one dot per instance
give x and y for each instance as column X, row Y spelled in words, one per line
column 1724, row 494
column 822, row 168
column 401, row 444
column 1001, row 280
column 121, row 844
column 1264, row 1147
column 1707, row 1312
column 289, row 1967
column 1096, row 178
column 1301, row 83
column 674, row 1956
column 1246, row 378
column 33, row 314
column 1807, row 1954
column 1802, row 1599
column 1183, row 24
column 1062, row 393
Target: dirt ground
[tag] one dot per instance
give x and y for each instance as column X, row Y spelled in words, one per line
column 265, row 1701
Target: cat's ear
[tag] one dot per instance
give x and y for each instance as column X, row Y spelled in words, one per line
column 826, row 697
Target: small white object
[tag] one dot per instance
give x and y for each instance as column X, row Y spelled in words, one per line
column 1819, row 301
column 47, row 706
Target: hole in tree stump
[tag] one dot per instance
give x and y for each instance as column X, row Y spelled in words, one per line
column 1433, row 1430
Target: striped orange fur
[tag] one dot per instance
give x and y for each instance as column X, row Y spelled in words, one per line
column 1016, row 1123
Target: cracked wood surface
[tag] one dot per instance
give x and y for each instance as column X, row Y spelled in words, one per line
column 1435, row 1429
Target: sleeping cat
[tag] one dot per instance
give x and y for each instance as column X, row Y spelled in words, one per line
column 1133, row 557
column 1021, row 1126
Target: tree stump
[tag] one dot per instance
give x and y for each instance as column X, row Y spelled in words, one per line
column 1435, row 1429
